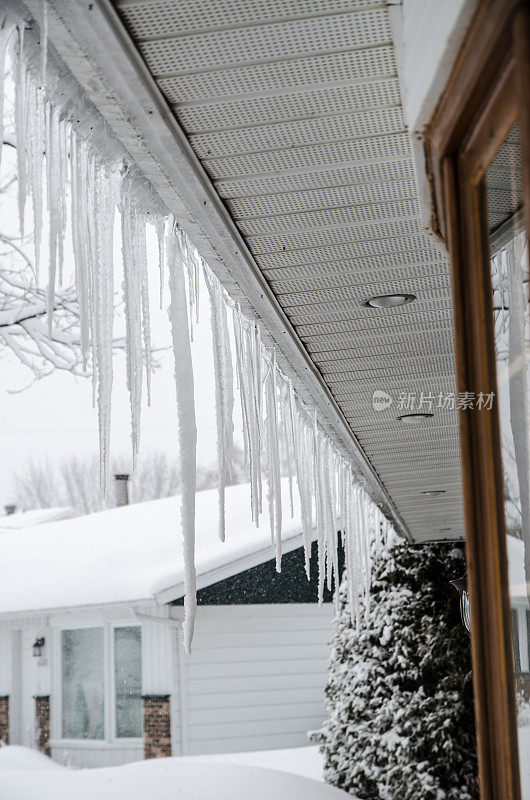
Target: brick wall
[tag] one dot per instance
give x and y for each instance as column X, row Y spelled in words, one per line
column 4, row 720
column 42, row 717
column 157, row 726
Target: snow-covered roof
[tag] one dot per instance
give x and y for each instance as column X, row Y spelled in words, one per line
column 37, row 516
column 133, row 553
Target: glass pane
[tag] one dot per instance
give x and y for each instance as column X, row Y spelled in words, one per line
column 128, row 677
column 509, row 273
column 82, row 683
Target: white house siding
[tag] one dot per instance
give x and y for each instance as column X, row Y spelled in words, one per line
column 256, row 677
column 160, row 660
column 157, row 653
column 21, row 675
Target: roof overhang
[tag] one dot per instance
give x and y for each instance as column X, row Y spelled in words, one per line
column 409, row 351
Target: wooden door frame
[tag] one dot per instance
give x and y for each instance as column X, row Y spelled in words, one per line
column 487, row 91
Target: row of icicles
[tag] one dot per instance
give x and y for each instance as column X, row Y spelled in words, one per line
column 70, row 164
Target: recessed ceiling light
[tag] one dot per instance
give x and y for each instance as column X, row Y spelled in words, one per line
column 389, row 300
column 414, row 419
column 433, row 492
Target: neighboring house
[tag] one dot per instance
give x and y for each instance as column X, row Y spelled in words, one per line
column 38, row 516
column 92, row 667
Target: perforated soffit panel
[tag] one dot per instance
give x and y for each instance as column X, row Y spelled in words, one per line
column 293, row 108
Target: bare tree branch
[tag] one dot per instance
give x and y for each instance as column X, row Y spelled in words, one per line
column 23, row 304
column 74, row 482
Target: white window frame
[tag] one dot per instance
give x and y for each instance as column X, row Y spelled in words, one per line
column 110, row 739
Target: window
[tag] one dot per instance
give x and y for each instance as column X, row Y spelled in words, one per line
column 478, row 143
column 101, row 683
column 83, row 684
column 128, row 681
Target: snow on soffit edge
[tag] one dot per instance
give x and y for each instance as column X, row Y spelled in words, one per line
column 92, row 42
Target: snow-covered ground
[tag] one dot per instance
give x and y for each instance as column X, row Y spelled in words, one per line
column 282, row 774
column 304, row 761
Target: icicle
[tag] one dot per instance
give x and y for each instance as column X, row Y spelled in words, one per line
column 224, row 398
column 236, row 319
column 104, row 206
column 160, row 233
column 274, row 492
column 61, row 202
column 79, row 241
column 7, row 25
column 136, row 194
column 133, row 318
column 21, row 90
column 44, row 43
column 187, row 431
column 246, row 370
column 219, row 411
column 197, row 263
column 228, row 383
column 192, row 262
column 144, row 293
column 52, row 177
column 36, row 143
column 303, row 466
column 287, row 441
column 254, row 365
column 317, row 478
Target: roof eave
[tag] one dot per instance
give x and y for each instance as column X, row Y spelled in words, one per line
column 94, row 45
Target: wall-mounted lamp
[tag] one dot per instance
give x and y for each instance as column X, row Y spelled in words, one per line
column 38, row 645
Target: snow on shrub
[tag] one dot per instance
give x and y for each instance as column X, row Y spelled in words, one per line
column 399, row 693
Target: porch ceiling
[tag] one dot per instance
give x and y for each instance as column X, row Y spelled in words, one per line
column 293, row 109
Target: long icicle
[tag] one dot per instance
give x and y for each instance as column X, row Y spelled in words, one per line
column 223, row 379
column 7, row 25
column 187, row 429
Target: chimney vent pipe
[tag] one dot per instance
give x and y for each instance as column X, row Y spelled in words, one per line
column 122, row 489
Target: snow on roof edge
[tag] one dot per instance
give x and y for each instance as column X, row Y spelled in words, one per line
column 132, row 554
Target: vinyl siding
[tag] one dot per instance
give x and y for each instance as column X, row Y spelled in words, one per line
column 256, row 676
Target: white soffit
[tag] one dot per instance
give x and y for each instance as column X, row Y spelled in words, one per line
column 293, row 109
